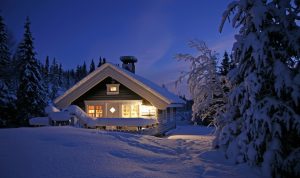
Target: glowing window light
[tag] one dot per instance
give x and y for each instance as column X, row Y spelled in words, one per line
column 113, row 89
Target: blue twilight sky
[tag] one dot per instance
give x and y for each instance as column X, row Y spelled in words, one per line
column 154, row 31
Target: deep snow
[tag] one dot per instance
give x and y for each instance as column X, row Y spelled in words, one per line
column 75, row 152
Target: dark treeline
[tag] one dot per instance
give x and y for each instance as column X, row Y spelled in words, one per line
column 28, row 85
column 58, row 80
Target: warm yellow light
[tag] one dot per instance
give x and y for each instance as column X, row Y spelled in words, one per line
column 148, row 110
column 113, row 89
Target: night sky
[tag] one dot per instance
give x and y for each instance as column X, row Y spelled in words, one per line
column 154, row 31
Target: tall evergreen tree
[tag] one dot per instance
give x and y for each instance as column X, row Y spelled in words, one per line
column 84, row 70
column 7, row 96
column 78, row 73
column 4, row 52
column 31, row 92
column 225, row 64
column 100, row 62
column 60, row 75
column 46, row 68
column 55, row 78
column 92, row 66
column 262, row 123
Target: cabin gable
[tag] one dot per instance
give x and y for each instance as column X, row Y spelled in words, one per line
column 101, row 74
column 99, row 93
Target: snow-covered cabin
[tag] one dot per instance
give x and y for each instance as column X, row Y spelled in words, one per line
column 118, row 93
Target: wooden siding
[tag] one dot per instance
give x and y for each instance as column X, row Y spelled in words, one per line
column 99, row 75
column 99, row 93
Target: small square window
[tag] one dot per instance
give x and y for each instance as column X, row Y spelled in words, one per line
column 112, row 89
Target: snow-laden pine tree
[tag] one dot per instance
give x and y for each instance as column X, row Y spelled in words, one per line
column 224, row 70
column 262, row 123
column 4, row 52
column 7, row 96
column 225, row 64
column 203, row 82
column 31, row 94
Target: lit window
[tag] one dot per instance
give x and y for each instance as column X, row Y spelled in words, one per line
column 148, row 111
column 125, row 110
column 95, row 111
column 134, row 110
column 129, row 110
column 112, row 89
column 99, row 111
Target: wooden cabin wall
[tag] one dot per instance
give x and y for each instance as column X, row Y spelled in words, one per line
column 99, row 93
column 166, row 119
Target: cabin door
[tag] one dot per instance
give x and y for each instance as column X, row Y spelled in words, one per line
column 113, row 110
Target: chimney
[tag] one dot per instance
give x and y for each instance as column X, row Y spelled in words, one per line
column 128, row 63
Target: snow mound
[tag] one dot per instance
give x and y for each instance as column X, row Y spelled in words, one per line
column 60, row 116
column 39, row 121
column 123, row 122
column 50, row 152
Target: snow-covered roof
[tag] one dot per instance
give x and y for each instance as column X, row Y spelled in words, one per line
column 158, row 96
column 153, row 86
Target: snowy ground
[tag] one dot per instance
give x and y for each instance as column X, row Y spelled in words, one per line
column 73, row 152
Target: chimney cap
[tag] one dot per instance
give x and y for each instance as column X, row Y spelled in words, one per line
column 128, row 59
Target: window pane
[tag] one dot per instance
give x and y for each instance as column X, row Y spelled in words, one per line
column 134, row 110
column 90, row 107
column 99, row 111
column 112, row 89
column 125, row 110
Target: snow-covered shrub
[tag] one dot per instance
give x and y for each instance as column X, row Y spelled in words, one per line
column 261, row 125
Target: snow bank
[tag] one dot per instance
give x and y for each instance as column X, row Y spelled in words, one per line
column 52, row 152
column 60, row 116
column 39, row 121
column 191, row 132
column 139, row 122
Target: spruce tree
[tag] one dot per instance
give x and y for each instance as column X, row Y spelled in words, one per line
column 46, row 68
column 100, row 62
column 7, row 96
column 261, row 125
column 92, row 66
column 78, row 73
column 60, row 75
column 225, row 64
column 4, row 52
column 84, row 70
column 31, row 94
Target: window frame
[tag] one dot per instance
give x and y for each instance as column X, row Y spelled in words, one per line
column 110, row 92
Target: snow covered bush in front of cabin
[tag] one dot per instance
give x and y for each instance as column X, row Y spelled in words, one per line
column 203, row 81
column 262, row 123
